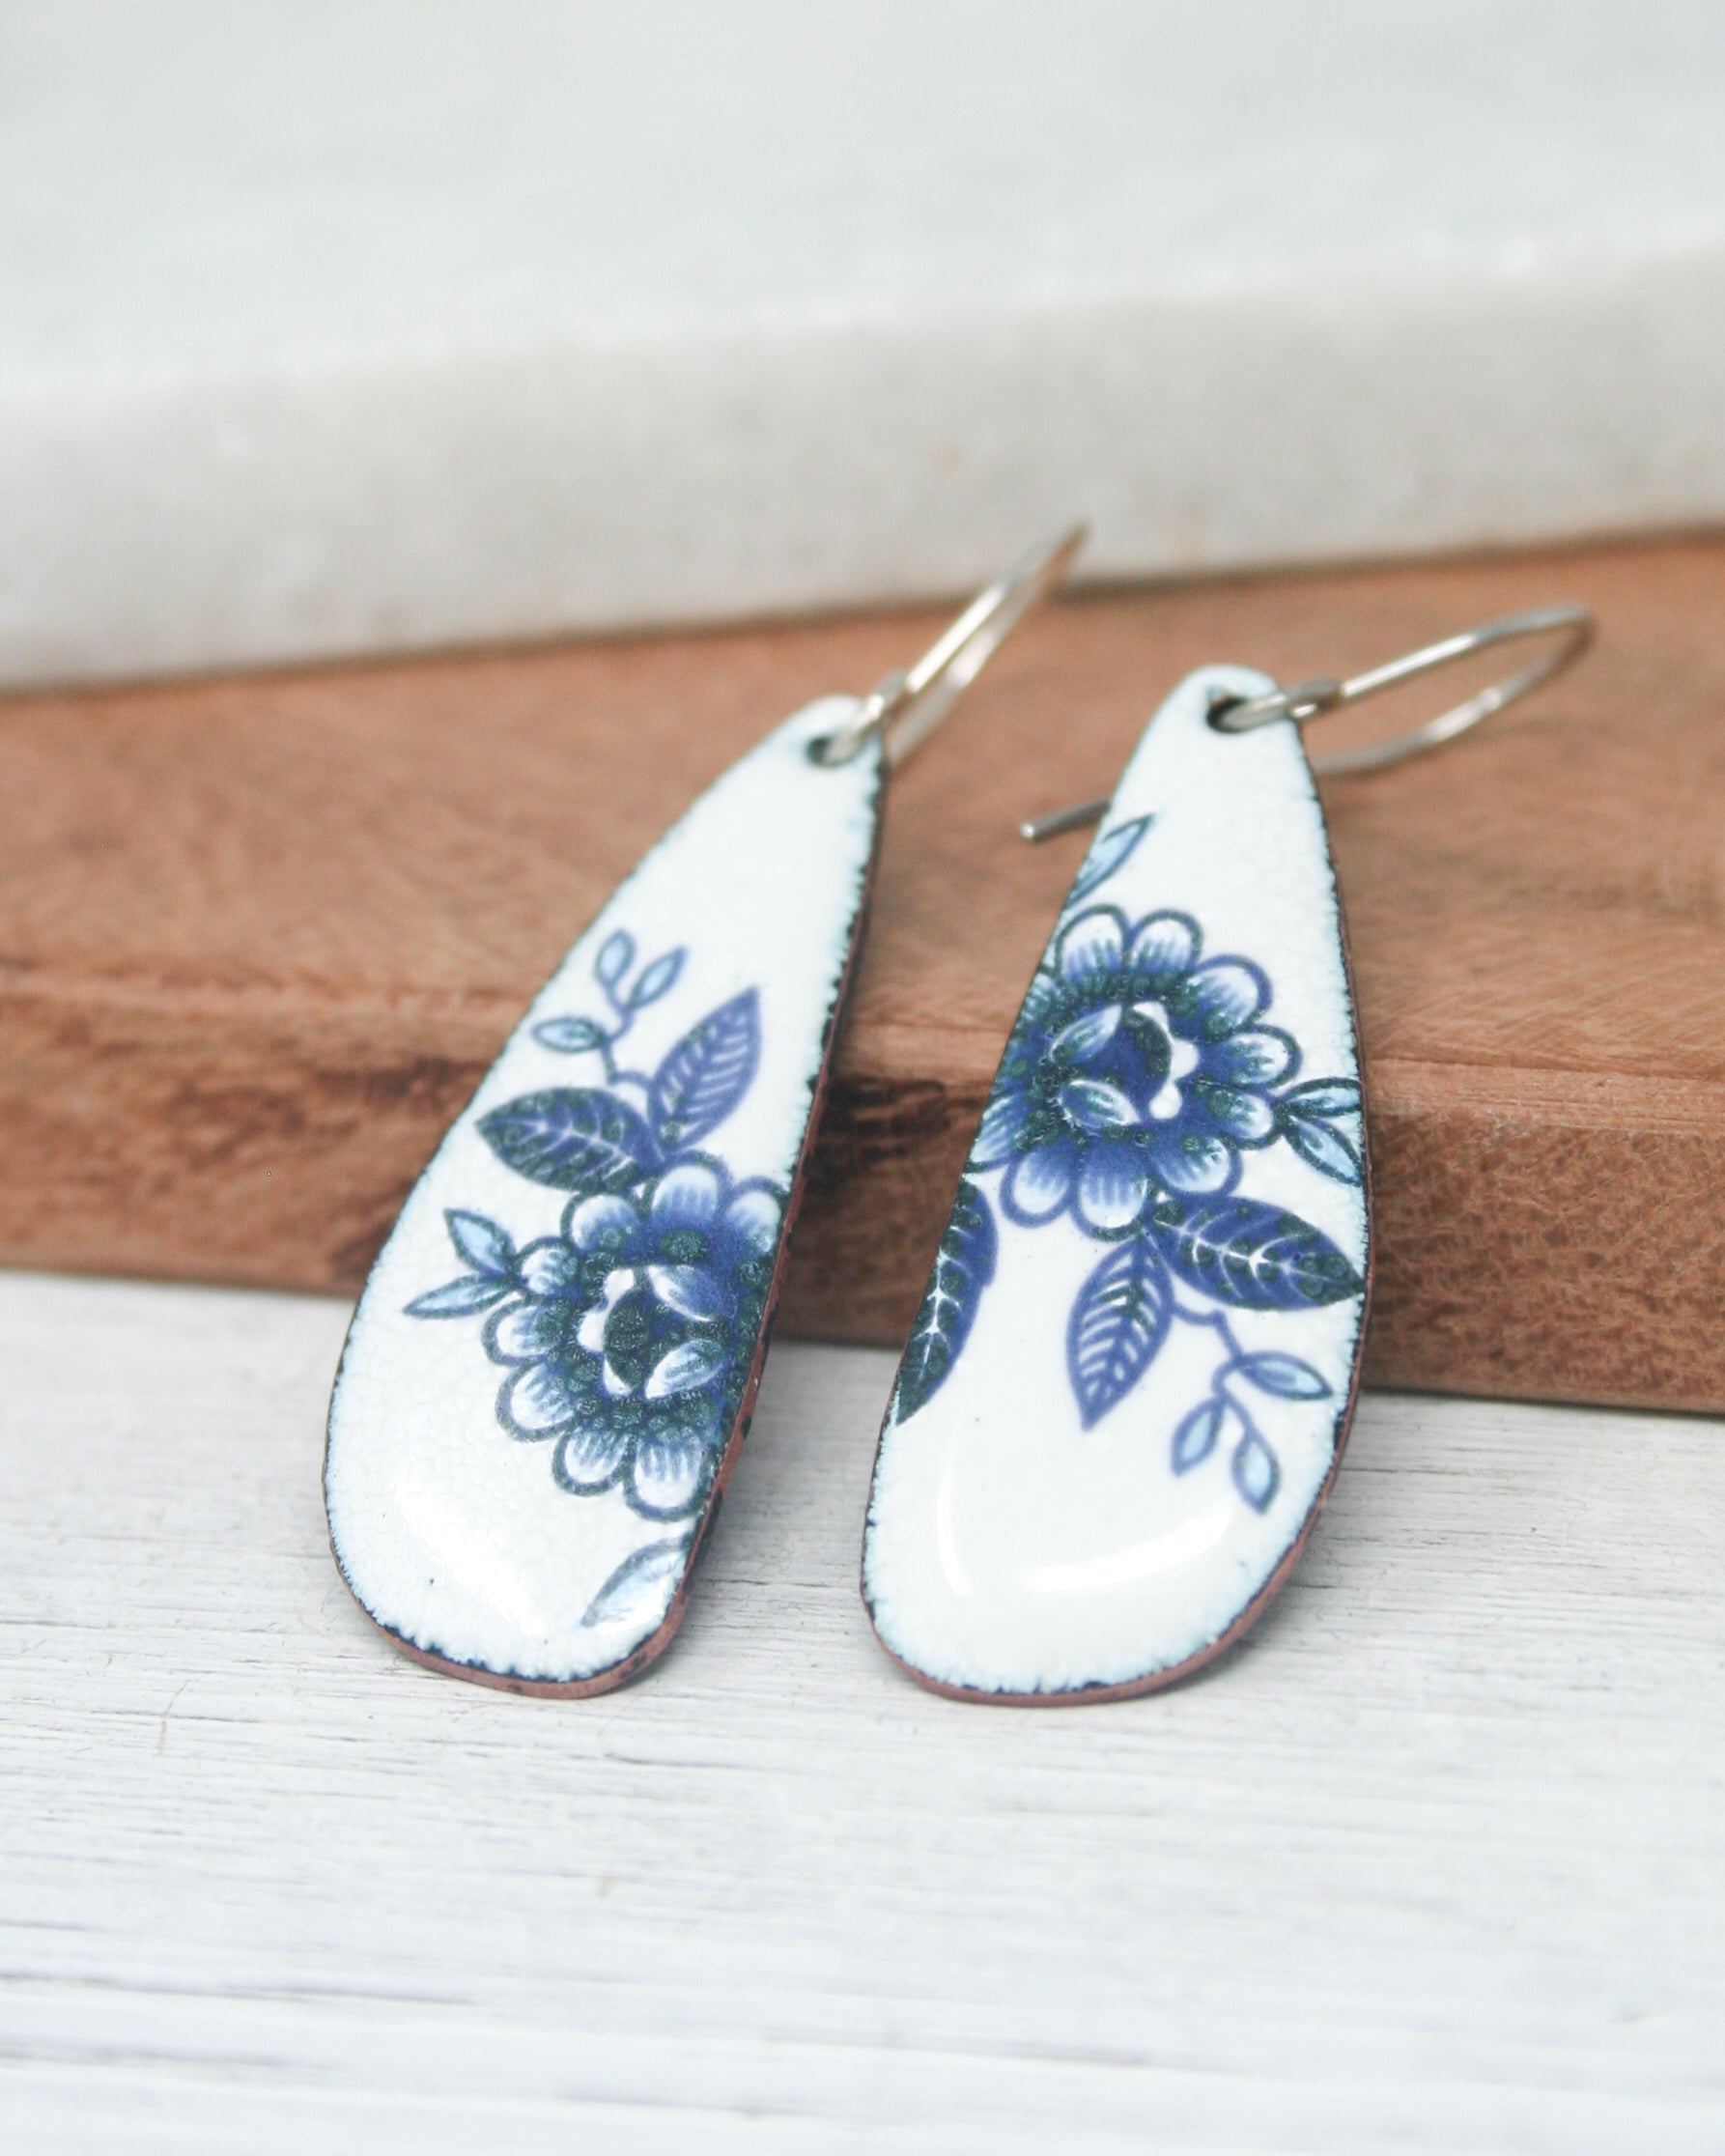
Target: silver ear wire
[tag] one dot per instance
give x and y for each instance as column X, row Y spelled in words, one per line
column 1307, row 700
column 1310, row 700
column 913, row 703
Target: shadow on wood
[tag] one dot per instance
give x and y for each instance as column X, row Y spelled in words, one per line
column 260, row 936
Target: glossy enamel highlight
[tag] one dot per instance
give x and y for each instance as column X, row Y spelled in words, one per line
column 556, row 1353
column 1128, row 1387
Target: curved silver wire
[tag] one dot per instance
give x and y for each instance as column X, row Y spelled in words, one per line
column 1307, row 700
column 1310, row 700
column 913, row 703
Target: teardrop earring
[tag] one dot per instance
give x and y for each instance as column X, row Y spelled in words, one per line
column 555, row 1360
column 1127, row 1391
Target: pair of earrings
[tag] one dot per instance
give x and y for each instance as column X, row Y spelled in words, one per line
column 1127, row 1392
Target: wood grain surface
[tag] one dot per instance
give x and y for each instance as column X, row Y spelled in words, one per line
column 260, row 936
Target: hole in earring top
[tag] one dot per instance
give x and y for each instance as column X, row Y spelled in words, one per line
column 1304, row 701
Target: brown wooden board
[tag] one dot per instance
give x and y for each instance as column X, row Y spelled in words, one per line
column 260, row 936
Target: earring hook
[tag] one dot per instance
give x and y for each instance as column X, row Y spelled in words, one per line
column 1310, row 700
column 914, row 701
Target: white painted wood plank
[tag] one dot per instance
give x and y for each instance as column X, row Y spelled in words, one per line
column 1434, row 1863
column 337, row 325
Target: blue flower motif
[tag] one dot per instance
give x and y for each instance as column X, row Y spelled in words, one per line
column 1137, row 1068
column 629, row 1333
column 1138, row 1073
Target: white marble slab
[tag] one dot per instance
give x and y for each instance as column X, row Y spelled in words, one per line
column 331, row 328
column 1433, row 1864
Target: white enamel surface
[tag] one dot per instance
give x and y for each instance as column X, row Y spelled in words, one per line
column 1009, row 1548
column 452, row 1533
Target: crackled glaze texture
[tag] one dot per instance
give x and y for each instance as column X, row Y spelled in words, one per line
column 1130, row 1381
column 556, row 1353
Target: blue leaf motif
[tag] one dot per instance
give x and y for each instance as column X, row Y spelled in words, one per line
column 482, row 1243
column 1254, row 1256
column 1324, row 1097
column 1109, row 850
column 460, row 1298
column 1321, row 1146
column 1201, row 1432
column 1286, row 1376
column 616, row 954
column 1119, row 1322
column 573, row 1138
column 637, row 1588
column 570, row 1037
column 658, row 979
column 963, row 1266
column 1256, row 1474
column 707, row 1072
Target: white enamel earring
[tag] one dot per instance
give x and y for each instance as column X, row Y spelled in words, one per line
column 555, row 1357
column 1127, row 1391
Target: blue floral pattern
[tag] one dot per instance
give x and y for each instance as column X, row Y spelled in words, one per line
column 629, row 1335
column 1135, row 1066
column 1140, row 1073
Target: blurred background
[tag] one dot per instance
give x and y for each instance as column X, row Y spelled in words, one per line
column 342, row 328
